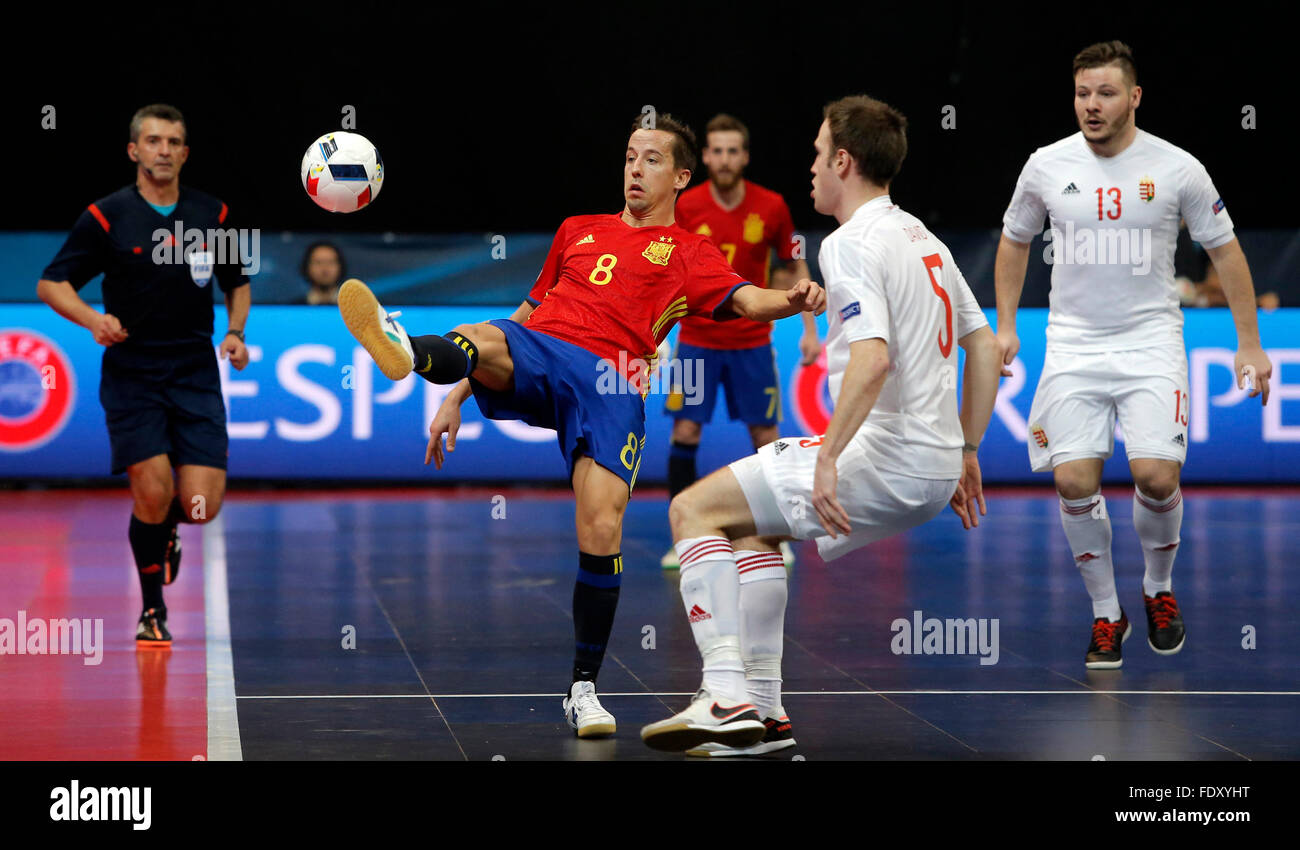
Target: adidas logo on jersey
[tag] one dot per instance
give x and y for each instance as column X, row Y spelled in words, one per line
column 780, row 446
column 1070, row 190
column 586, row 240
column 698, row 614
column 1178, row 438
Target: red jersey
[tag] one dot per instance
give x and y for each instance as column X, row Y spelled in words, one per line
column 746, row 236
column 612, row 288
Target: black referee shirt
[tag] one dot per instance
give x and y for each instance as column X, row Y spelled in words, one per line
column 160, row 294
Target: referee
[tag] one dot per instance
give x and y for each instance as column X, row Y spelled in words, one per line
column 160, row 387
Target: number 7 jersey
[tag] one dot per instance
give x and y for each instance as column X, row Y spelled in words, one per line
column 887, row 277
column 615, row 289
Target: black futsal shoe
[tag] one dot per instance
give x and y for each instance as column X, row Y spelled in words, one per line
column 1106, row 652
column 1165, row 630
column 152, row 629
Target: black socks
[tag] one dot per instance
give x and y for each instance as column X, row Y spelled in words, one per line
column 149, row 545
column 444, row 359
column 595, row 599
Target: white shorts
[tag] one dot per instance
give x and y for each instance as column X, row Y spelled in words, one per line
column 1079, row 396
column 778, row 483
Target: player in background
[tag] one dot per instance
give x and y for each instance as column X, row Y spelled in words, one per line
column 895, row 452
column 1114, row 195
column 611, row 289
column 747, row 222
column 160, row 386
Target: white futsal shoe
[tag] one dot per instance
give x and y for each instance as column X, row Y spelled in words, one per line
column 376, row 329
column 706, row 719
column 585, row 713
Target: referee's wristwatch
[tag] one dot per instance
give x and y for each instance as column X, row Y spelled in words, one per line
column 239, row 335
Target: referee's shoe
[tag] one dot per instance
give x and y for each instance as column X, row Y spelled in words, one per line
column 152, row 629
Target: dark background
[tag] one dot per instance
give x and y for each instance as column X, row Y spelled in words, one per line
column 494, row 119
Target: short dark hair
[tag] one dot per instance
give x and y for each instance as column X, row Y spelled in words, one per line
column 1105, row 53
column 311, row 249
column 158, row 110
column 874, row 134
column 724, row 123
column 683, row 149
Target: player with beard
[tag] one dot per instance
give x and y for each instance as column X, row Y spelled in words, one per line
column 748, row 223
column 1115, row 331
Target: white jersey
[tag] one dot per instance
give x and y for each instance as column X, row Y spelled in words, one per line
column 1114, row 227
column 887, row 277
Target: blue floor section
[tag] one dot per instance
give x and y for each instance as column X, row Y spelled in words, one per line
column 463, row 635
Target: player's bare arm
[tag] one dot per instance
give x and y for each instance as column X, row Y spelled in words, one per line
column 863, row 379
column 65, row 301
column 238, row 302
column 979, row 393
column 447, row 419
column 1238, row 287
column 767, row 305
column 1009, row 280
column 783, row 278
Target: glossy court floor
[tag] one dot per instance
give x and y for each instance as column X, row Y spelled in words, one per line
column 412, row 624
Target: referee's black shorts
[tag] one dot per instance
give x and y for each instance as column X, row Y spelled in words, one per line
column 164, row 400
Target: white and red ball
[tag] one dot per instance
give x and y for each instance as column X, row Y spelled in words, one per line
column 342, row 172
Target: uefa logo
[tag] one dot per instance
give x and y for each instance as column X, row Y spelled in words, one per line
column 810, row 397
column 37, row 390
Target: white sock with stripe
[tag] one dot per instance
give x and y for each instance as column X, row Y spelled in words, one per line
column 763, row 595
column 1158, row 522
column 1087, row 528
column 711, row 593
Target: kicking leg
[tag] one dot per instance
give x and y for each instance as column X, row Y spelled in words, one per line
column 479, row 350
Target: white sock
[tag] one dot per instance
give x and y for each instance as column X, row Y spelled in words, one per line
column 711, row 593
column 1157, row 523
column 1087, row 527
column 763, row 595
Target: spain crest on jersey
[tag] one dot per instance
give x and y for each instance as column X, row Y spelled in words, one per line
column 753, row 233
column 1147, row 189
column 659, row 252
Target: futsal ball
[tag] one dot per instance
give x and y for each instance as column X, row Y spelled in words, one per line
column 342, row 172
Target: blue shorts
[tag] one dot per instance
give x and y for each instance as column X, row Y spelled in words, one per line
column 748, row 375
column 556, row 386
column 163, row 400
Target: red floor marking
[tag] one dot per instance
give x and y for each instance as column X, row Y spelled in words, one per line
column 65, row 555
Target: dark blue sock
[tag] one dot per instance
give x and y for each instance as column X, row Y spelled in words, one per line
column 444, row 359
column 595, row 599
column 681, row 467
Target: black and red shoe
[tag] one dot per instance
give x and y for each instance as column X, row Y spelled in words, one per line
column 1165, row 632
column 152, row 629
column 779, row 736
column 1106, row 651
